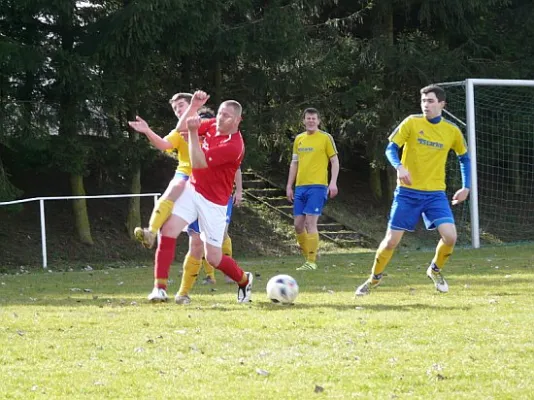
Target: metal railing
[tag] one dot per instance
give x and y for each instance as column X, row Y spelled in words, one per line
column 41, row 201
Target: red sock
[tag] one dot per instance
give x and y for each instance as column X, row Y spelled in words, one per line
column 164, row 258
column 229, row 267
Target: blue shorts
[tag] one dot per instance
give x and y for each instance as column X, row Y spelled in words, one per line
column 309, row 200
column 409, row 205
column 195, row 228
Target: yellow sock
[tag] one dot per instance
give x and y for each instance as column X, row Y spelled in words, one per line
column 161, row 212
column 312, row 245
column 302, row 239
column 189, row 276
column 382, row 257
column 227, row 246
column 443, row 252
column 208, row 269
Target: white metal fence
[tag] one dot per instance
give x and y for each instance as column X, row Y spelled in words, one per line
column 42, row 200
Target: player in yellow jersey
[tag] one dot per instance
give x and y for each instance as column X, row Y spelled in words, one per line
column 313, row 150
column 426, row 140
column 173, row 142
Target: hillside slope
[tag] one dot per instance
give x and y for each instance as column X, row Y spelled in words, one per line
column 256, row 231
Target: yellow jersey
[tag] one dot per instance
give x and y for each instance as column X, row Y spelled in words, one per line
column 181, row 150
column 313, row 153
column 426, row 147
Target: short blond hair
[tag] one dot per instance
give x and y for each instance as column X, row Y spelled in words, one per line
column 235, row 105
column 181, row 96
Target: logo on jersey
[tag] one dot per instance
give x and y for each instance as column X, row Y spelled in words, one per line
column 428, row 143
column 421, row 132
column 305, row 149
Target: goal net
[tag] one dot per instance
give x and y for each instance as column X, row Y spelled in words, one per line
column 501, row 115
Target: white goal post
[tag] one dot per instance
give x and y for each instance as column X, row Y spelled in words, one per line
column 498, row 116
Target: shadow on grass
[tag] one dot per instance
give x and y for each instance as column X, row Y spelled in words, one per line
column 132, row 302
column 356, row 306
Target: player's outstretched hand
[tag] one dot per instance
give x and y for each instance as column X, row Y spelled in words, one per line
column 140, row 125
column 193, row 123
column 460, row 196
column 199, row 99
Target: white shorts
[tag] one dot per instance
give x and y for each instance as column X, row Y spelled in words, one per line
column 191, row 206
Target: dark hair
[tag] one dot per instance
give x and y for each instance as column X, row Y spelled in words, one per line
column 437, row 90
column 311, row 110
column 181, row 96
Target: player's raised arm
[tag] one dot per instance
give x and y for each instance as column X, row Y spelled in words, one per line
column 141, row 126
column 197, row 101
column 197, row 156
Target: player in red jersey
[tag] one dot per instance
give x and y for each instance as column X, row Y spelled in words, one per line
column 205, row 197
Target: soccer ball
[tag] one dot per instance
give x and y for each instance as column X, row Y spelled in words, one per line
column 282, row 289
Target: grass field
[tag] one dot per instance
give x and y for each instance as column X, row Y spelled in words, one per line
column 91, row 334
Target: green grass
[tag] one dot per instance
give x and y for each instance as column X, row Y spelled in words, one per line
column 403, row 341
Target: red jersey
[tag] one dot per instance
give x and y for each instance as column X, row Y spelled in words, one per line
column 224, row 154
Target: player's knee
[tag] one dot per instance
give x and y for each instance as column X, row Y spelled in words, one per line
column 449, row 238
column 390, row 243
column 196, row 248
column 196, row 252
column 214, row 258
column 176, row 190
column 169, row 229
column 311, row 225
column 300, row 225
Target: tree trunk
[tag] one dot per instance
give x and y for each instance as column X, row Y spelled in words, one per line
column 390, row 184
column 134, row 209
column 217, row 80
column 83, row 227
column 68, row 122
column 375, row 182
column 133, row 218
column 8, row 191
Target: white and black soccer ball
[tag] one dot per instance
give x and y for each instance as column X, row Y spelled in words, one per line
column 282, row 289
